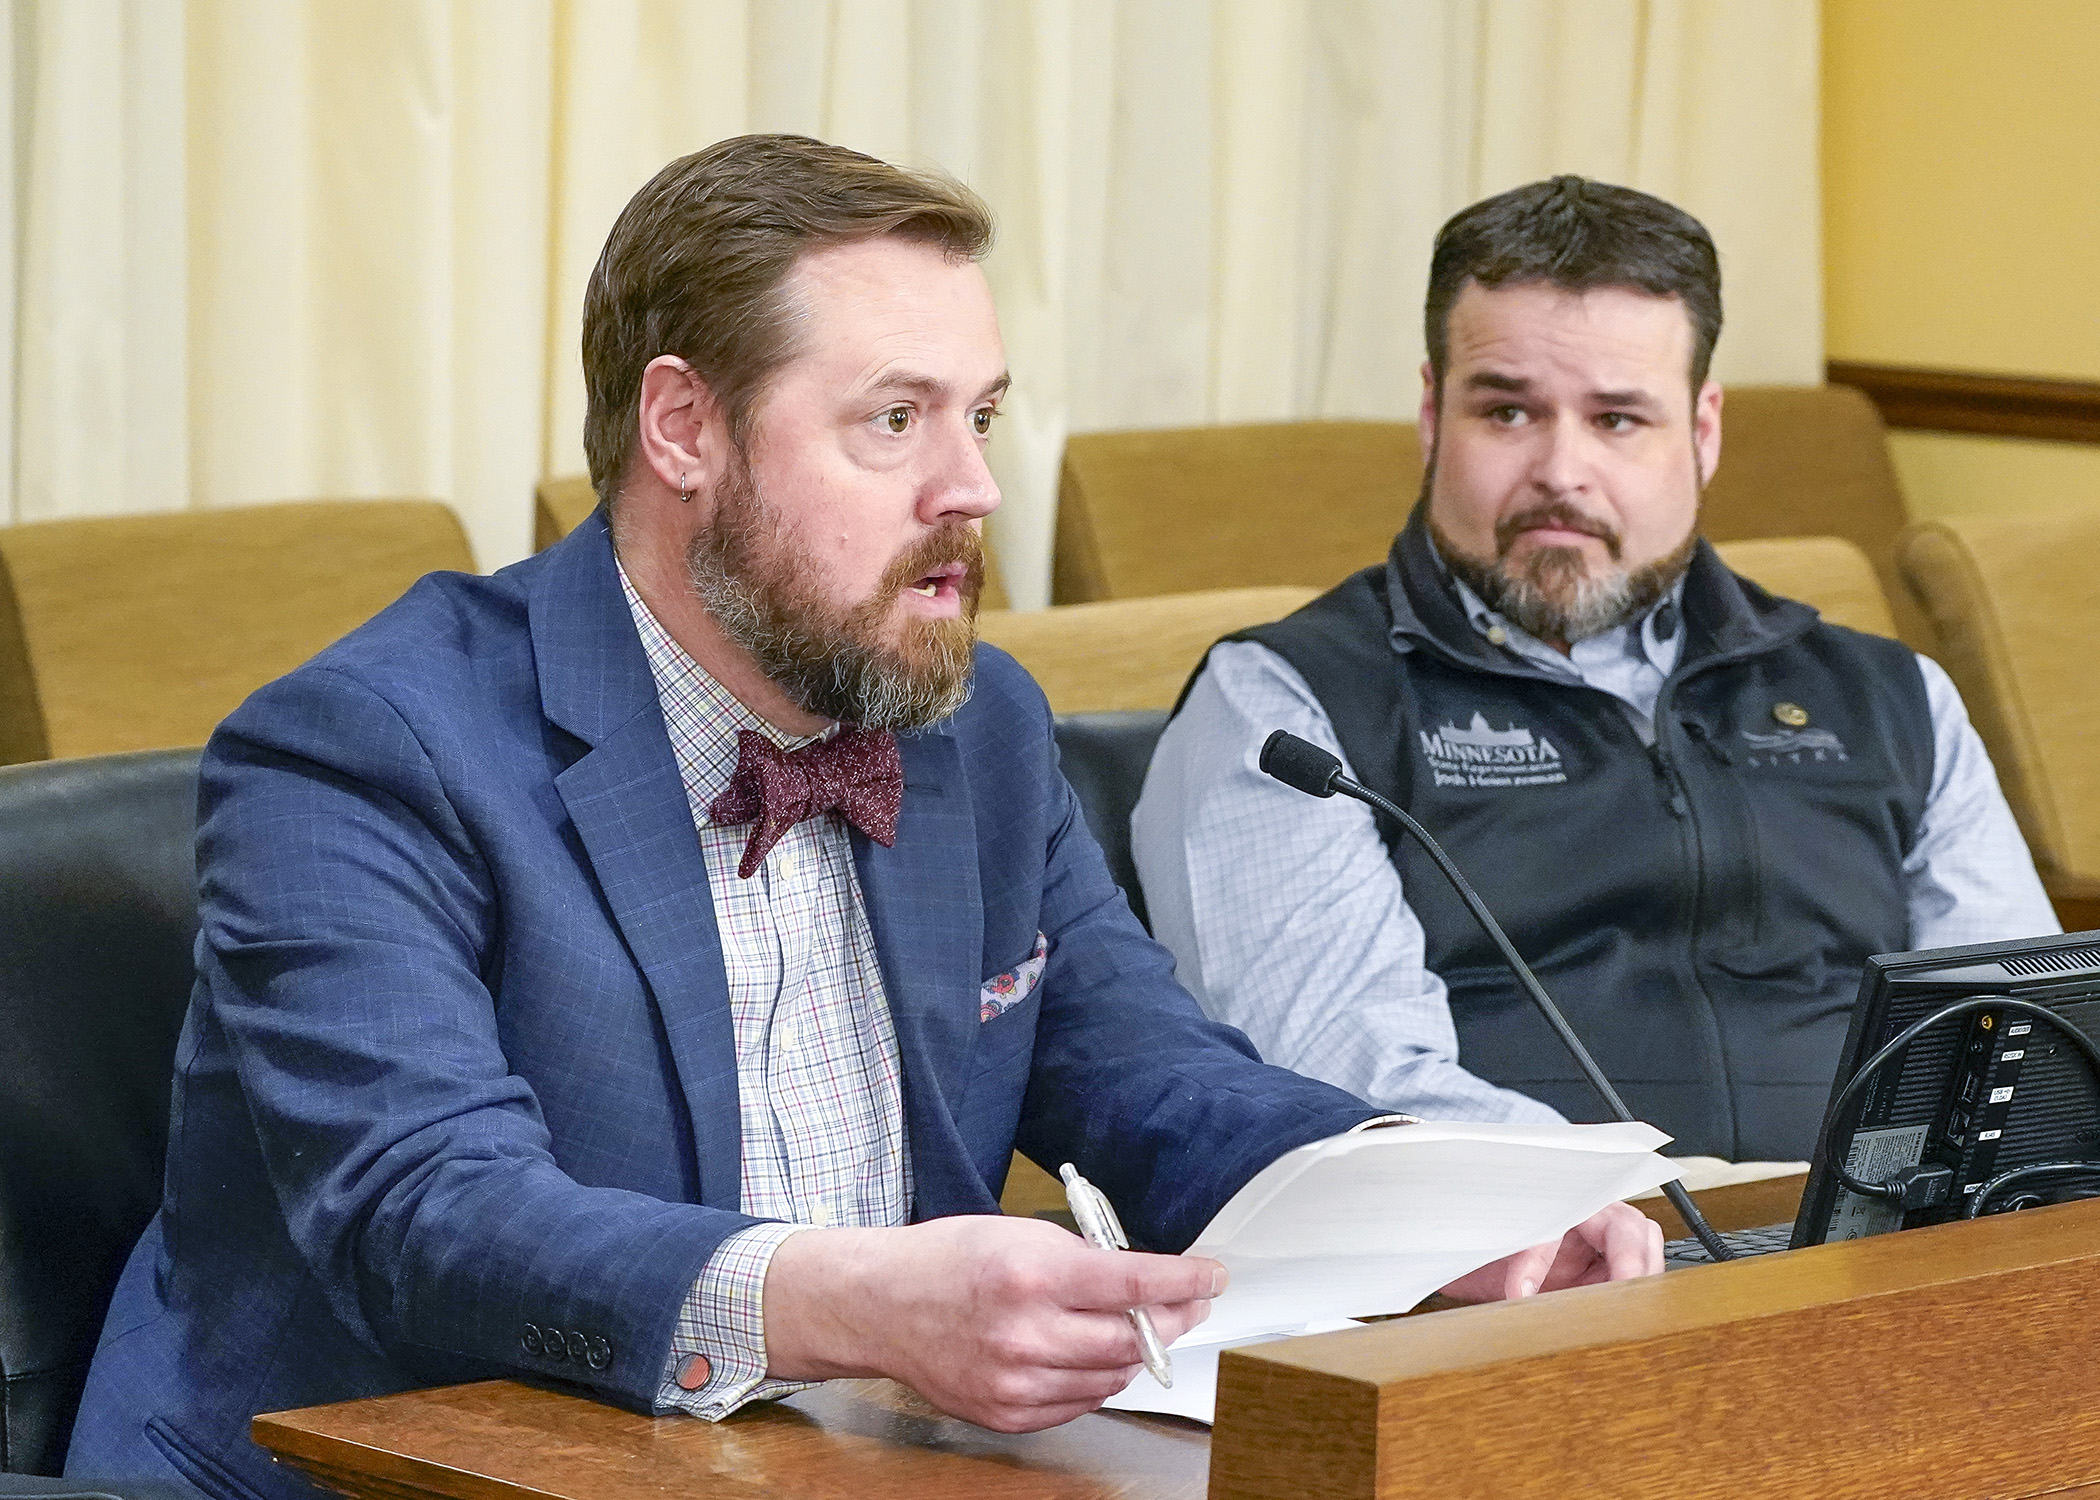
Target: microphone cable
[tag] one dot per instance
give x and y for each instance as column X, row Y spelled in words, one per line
column 1305, row 767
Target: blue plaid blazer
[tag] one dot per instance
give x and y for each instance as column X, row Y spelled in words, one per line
column 456, row 1096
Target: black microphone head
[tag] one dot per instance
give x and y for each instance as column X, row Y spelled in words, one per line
column 1299, row 763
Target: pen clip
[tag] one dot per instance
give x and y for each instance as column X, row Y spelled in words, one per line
column 1113, row 1224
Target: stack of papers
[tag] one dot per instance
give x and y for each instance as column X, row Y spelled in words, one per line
column 1371, row 1223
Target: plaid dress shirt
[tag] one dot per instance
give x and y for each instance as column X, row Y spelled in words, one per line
column 818, row 1080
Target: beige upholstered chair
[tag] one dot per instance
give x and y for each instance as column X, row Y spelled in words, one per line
column 2016, row 603
column 1185, row 509
column 142, row 632
column 1128, row 653
column 1030, row 1191
column 560, row 504
column 1826, row 571
column 1813, row 461
column 1310, row 502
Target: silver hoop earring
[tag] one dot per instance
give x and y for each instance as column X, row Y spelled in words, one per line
column 683, row 497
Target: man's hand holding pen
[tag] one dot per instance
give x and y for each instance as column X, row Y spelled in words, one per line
column 1014, row 1324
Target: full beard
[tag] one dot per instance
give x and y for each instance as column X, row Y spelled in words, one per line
column 1550, row 592
column 757, row 579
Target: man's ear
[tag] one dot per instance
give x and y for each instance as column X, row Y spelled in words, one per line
column 683, row 431
column 1706, row 431
column 1426, row 421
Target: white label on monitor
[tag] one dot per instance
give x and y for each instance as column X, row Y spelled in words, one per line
column 1999, row 1096
column 1874, row 1155
column 1988, row 1135
column 2020, row 1030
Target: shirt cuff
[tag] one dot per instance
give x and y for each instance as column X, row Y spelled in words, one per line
column 723, row 1321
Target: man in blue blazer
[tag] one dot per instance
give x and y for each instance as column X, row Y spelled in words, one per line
column 636, row 968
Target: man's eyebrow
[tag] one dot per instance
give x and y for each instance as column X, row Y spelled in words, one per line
column 1621, row 398
column 1488, row 380
column 895, row 379
column 927, row 387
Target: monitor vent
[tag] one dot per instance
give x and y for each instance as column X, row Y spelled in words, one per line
column 2054, row 961
column 1919, row 1084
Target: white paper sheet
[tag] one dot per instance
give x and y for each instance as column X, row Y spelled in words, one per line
column 1195, row 1392
column 1372, row 1223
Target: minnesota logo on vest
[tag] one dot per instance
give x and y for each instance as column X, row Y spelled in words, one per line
column 1793, row 747
column 1479, row 756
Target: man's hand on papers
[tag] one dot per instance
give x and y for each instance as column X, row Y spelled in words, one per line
column 1614, row 1244
column 1010, row 1323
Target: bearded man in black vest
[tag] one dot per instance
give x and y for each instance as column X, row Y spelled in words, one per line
column 1696, row 807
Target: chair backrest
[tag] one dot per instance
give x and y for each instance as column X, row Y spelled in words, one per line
column 98, row 911
column 1826, row 571
column 1310, row 502
column 1813, row 460
column 142, row 632
column 1128, row 653
column 2014, row 601
column 1181, row 509
column 1105, row 757
column 560, row 505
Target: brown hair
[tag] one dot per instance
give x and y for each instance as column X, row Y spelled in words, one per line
column 695, row 265
column 1578, row 235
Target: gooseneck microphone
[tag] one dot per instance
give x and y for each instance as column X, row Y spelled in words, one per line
column 1307, row 768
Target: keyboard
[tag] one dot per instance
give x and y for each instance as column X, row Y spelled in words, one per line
column 1762, row 1240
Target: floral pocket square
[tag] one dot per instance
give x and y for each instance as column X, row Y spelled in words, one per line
column 1002, row 992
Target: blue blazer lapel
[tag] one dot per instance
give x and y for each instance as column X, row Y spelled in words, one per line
column 927, row 915
column 628, row 804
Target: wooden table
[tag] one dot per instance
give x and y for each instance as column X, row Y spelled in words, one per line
column 868, row 1440
column 847, row 1440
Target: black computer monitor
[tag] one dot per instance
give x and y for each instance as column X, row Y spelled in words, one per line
column 1982, row 1093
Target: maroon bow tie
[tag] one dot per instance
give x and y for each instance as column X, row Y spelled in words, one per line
column 856, row 772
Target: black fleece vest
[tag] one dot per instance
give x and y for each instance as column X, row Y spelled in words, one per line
column 1701, row 909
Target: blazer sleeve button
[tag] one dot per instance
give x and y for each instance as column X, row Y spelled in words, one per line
column 579, row 1347
column 531, row 1339
column 600, row 1354
column 555, row 1349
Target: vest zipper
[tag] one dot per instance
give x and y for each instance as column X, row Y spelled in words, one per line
column 1681, row 806
column 1666, row 777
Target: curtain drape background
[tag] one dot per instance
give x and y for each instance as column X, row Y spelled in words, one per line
column 277, row 249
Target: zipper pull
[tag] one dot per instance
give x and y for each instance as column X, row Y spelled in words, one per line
column 1668, row 777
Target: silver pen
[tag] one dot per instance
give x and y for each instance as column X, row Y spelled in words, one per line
column 1104, row 1231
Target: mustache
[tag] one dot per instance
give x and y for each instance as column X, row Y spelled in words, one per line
column 1559, row 515
column 956, row 542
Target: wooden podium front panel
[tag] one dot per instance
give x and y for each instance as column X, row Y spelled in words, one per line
column 1955, row 1362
